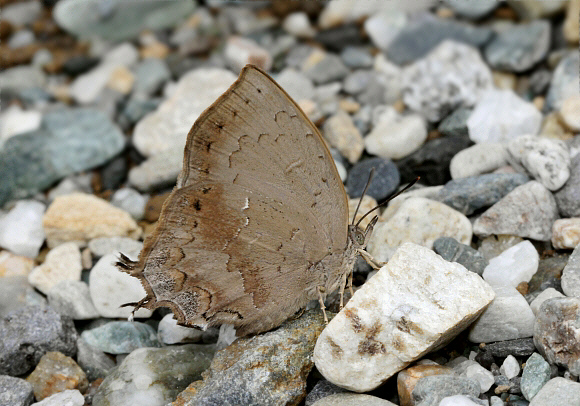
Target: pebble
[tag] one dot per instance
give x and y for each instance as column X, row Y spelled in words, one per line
column 169, row 125
column 341, row 133
column 558, row 391
column 453, row 251
column 55, row 373
column 571, row 275
column 455, row 124
column 556, row 330
column 478, row 159
column 460, row 400
column 407, row 379
column 110, row 288
column 14, row 265
column 571, row 27
column 513, row 266
column 501, row 115
column 468, row 195
column 322, row 389
column 437, row 84
column 420, row 36
column 535, row 375
column 352, row 399
column 358, row 81
column 431, row 390
column 421, row 221
column 508, row 317
column 570, row 113
column 357, row 57
column 269, row 368
column 72, row 298
column 298, row 86
column 121, row 337
column 322, row 67
column 30, row 332
column 568, row 196
column 114, row 245
column 474, row 371
column 22, row 78
column 135, row 109
column 71, row 397
column 240, row 51
column 93, row 361
column 494, row 245
column 150, row 76
column 475, row 10
column 15, row 391
column 298, row 25
column 566, row 233
column 362, row 329
column 56, row 146
column 62, row 263
column 416, row 191
column 510, row 367
column 131, row 201
column 546, row 294
column 81, row 217
column 15, row 121
column 21, row 229
column 383, row 184
column 395, row 136
column 170, row 333
column 326, row 98
column 519, row 47
column 564, row 82
column 383, row 28
column 157, row 172
column 527, row 211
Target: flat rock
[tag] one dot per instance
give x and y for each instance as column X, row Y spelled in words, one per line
column 15, row 391
column 352, row 399
column 568, row 196
column 558, row 391
column 421, row 221
column 21, row 230
column 521, row 347
column 121, row 337
column 571, row 275
column 56, row 373
column 527, row 211
column 453, row 251
column 566, row 233
column 72, row 298
column 80, row 217
column 535, row 375
column 341, row 133
column 62, row 263
column 419, row 319
column 383, row 27
column 150, row 75
column 513, row 266
column 478, row 159
column 473, row 370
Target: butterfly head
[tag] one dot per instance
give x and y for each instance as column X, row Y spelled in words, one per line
column 359, row 237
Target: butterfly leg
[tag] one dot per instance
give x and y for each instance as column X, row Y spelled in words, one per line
column 321, row 294
column 370, row 260
column 349, row 283
column 341, row 290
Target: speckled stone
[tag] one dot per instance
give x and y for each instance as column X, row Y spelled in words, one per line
column 15, row 391
column 535, row 375
column 55, row 373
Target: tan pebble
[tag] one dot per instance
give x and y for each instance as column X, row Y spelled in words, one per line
column 566, row 233
column 121, row 80
column 408, row 378
column 570, row 113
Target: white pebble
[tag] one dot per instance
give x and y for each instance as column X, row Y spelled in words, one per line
column 21, row 230
column 478, row 159
column 62, row 263
column 510, row 367
column 513, row 266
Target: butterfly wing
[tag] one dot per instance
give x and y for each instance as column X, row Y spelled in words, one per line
column 257, row 207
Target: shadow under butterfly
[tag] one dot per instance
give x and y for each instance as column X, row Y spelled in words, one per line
column 257, row 225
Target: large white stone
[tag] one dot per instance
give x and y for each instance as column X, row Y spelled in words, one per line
column 478, row 159
column 110, row 288
column 416, row 303
column 21, row 230
column 513, row 266
column 62, row 263
column 421, row 221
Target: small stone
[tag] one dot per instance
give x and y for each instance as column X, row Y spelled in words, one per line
column 383, row 184
column 421, row 221
column 500, row 115
column 407, row 379
column 15, row 391
column 240, row 51
column 298, row 86
column 322, row 389
column 340, row 132
column 131, row 201
column 93, row 361
column 56, row 373
column 437, row 84
column 15, row 121
column 571, row 28
column 326, row 98
column 494, row 245
column 171, row 333
column 150, row 76
column 513, row 266
column 478, row 159
column 21, row 78
column 322, row 67
column 570, row 113
column 382, row 28
column 571, row 275
column 536, row 374
column 114, row 245
column 158, row 171
column 359, row 81
column 453, row 251
column 546, row 294
column 121, row 80
column 71, row 397
column 558, row 391
column 508, row 317
column 361, row 330
column 21, row 229
column 568, row 196
column 298, row 24
column 461, row 400
column 455, row 124
column 510, row 367
column 474, row 10
column 556, row 331
column 431, row 390
column 566, row 233
column 357, row 57
column 80, row 217
column 367, row 203
column 521, row 347
column 121, row 337
column 395, row 136
column 472, row 370
column 533, row 9
column 72, row 298
column 527, row 211
column 351, row 399
column 62, row 263
column 14, row 265
column 110, row 288
column 70, row 185
column 564, row 82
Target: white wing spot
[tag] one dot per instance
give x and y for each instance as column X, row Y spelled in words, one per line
column 247, row 206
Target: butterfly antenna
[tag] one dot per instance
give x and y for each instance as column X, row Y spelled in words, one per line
column 371, row 174
column 389, row 199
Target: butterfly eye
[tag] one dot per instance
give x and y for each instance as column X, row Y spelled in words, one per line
column 360, row 239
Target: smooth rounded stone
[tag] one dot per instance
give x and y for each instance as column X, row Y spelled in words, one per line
column 170, row 333
column 521, row 347
column 114, row 245
column 421, row 221
column 508, row 317
column 546, row 294
column 352, row 399
column 93, row 361
column 121, row 337
column 322, row 67
column 415, row 191
column 564, row 81
column 34, row 161
column 397, row 316
column 566, row 233
column 547, row 160
column 383, row 184
column 431, row 390
column 570, row 113
column 453, row 251
column 556, row 331
column 21, row 230
column 422, row 35
column 15, row 121
column 157, row 172
column 341, row 133
column 501, row 115
column 527, row 211
column 15, row 391
column 478, row 159
column 298, row 86
column 472, row 10
column 71, row 397
column 495, row 401
column 438, row 84
column 510, row 367
column 357, row 57
column 558, row 391
column 22, row 77
column 14, row 265
column 62, row 263
column 240, row 51
column 55, row 373
column 150, row 76
column 169, row 125
column 395, row 136
column 383, row 27
column 513, row 266
column 407, row 379
column 131, row 201
column 535, row 375
column 519, row 47
column 81, row 217
column 269, row 368
column 30, row 332
column 468, row 195
column 322, row 389
column 110, row 288
column 571, row 275
column 298, row 25
column 72, row 298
